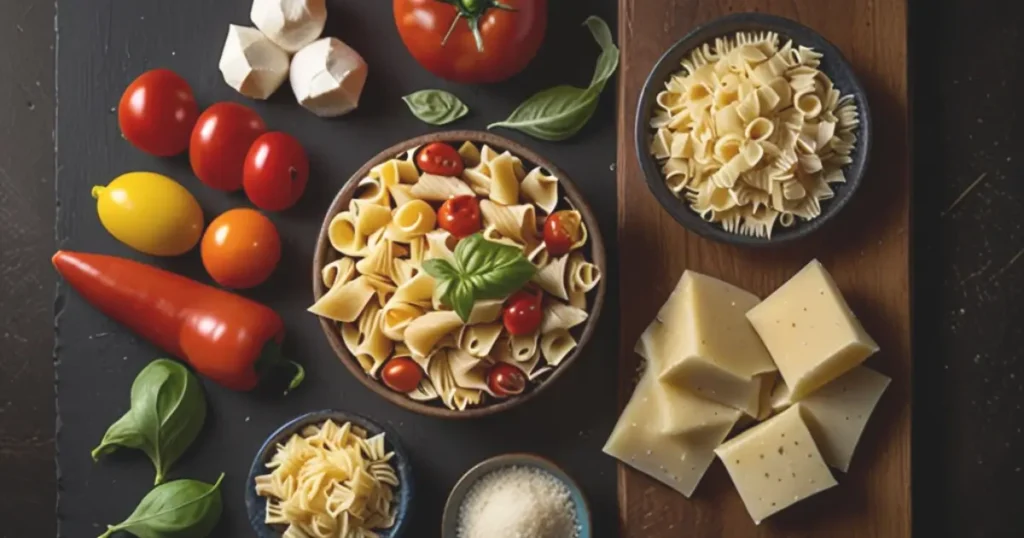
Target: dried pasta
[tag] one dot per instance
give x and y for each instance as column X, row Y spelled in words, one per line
column 751, row 133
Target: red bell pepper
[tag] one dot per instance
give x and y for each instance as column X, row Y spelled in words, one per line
column 230, row 339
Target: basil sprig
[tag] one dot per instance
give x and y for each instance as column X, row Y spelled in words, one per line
column 178, row 509
column 482, row 270
column 167, row 411
column 560, row 112
column 436, row 107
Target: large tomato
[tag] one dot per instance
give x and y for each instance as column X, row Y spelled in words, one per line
column 220, row 142
column 157, row 112
column 472, row 41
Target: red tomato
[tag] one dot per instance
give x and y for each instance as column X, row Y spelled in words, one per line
column 460, row 216
column 401, row 374
column 440, row 159
column 220, row 141
column 522, row 314
column 276, row 171
column 505, row 380
column 561, row 231
column 157, row 112
column 241, row 248
column 441, row 38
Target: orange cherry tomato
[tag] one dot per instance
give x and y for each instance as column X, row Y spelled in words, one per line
column 157, row 112
column 561, row 231
column 505, row 380
column 241, row 248
column 522, row 314
column 460, row 216
column 401, row 374
column 440, row 159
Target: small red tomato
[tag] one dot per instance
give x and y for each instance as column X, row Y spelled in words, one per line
column 401, row 374
column 241, row 248
column 220, row 142
column 460, row 216
column 157, row 111
column 522, row 314
column 561, row 232
column 440, row 159
column 505, row 380
column 276, row 171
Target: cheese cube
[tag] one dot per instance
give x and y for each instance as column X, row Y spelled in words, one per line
column 837, row 413
column 810, row 331
column 701, row 341
column 775, row 464
column 677, row 460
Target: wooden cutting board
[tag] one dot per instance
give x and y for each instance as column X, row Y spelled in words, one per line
column 866, row 249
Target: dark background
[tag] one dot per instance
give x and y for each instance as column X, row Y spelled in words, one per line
column 967, row 79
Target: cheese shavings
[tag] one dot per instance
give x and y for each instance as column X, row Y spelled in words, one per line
column 518, row 502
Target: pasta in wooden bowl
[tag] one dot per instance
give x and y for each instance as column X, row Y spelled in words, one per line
column 463, row 293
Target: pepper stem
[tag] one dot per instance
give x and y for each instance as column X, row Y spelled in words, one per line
column 271, row 366
column 97, row 191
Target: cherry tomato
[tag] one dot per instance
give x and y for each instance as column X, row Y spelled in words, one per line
column 157, row 112
column 472, row 41
column 401, row 374
column 505, row 380
column 460, row 216
column 241, row 248
column 220, row 142
column 440, row 159
column 561, row 231
column 522, row 314
column 276, row 171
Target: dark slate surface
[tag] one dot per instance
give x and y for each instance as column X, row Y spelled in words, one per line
column 967, row 78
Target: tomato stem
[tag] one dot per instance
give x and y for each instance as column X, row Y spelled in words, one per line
column 472, row 10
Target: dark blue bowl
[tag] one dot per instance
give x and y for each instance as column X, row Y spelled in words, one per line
column 833, row 64
column 257, row 506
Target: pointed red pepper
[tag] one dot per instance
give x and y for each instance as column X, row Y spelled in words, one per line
column 230, row 339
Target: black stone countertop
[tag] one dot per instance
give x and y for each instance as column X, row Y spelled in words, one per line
column 967, row 80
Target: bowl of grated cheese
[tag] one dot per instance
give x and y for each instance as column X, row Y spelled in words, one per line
column 516, row 495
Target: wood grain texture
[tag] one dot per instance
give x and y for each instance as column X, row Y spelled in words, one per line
column 866, row 249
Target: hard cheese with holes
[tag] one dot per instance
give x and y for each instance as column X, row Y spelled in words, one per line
column 711, row 356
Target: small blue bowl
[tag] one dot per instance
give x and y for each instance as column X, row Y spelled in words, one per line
column 257, row 506
column 450, row 521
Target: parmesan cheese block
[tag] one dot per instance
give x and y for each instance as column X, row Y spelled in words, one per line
column 680, row 460
column 810, row 331
column 775, row 464
column 702, row 341
column 837, row 413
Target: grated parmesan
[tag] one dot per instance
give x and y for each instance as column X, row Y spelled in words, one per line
column 518, row 502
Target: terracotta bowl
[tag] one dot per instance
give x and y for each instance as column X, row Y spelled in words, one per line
column 325, row 254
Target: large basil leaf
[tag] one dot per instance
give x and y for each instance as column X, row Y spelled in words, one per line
column 178, row 509
column 436, row 107
column 560, row 112
column 167, row 411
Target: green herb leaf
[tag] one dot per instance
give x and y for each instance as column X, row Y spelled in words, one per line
column 560, row 112
column 436, row 107
column 178, row 509
column 167, row 411
column 482, row 270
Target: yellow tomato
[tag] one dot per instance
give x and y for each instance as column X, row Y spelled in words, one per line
column 150, row 213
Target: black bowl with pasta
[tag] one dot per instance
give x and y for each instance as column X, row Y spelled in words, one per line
column 753, row 130
column 379, row 308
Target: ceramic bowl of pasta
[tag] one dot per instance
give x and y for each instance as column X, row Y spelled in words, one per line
column 329, row 474
column 753, row 130
column 458, row 274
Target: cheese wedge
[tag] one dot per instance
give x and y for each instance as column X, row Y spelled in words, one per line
column 810, row 331
column 678, row 460
column 837, row 413
column 702, row 341
column 775, row 464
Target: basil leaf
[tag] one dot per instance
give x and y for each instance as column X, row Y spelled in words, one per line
column 500, row 281
column 178, row 509
column 440, row 269
column 560, row 112
column 436, row 107
column 167, row 412
column 461, row 297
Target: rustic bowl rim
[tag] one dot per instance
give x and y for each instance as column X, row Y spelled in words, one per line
column 833, row 63
column 324, row 253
